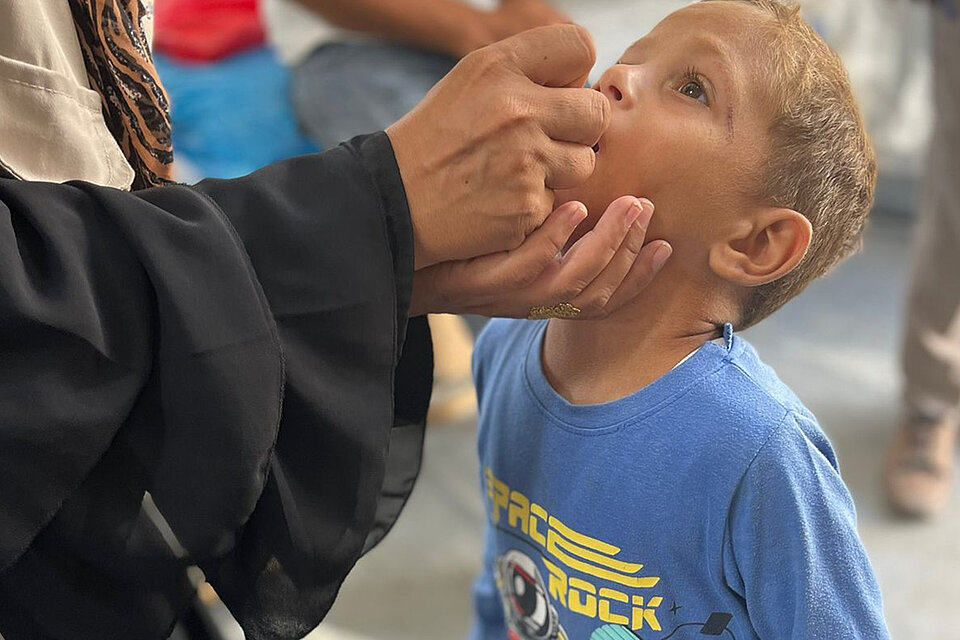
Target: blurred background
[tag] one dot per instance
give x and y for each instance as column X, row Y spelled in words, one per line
column 253, row 81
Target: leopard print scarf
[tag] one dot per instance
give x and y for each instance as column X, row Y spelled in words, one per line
column 119, row 65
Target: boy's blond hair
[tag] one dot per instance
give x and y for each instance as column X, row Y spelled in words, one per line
column 819, row 160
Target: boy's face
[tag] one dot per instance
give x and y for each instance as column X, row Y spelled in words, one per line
column 687, row 130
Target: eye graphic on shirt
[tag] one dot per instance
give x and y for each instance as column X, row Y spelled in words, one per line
column 527, row 598
column 526, row 606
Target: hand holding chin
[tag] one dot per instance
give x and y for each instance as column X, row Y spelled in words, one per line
column 602, row 271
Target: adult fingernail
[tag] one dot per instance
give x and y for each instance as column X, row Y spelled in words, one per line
column 633, row 213
column 578, row 215
column 663, row 252
column 646, row 213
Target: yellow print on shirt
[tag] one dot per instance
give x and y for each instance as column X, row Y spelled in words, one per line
column 585, row 576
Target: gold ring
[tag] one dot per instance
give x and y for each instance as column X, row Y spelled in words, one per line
column 561, row 310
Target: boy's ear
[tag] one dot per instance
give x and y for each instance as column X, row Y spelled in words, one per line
column 764, row 248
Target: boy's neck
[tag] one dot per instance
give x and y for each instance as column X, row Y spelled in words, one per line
column 593, row 362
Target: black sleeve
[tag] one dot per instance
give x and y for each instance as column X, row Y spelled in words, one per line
column 240, row 350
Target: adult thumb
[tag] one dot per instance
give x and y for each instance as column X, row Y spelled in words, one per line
column 559, row 55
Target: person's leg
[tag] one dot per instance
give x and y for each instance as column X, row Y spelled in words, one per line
column 921, row 468
column 344, row 90
column 453, row 397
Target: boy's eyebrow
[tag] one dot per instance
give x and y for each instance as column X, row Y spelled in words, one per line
column 706, row 45
column 710, row 44
column 716, row 48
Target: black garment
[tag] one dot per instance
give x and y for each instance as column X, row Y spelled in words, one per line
column 241, row 351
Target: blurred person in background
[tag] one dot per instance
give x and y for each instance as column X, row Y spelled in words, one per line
column 230, row 102
column 360, row 65
column 921, row 467
column 81, row 102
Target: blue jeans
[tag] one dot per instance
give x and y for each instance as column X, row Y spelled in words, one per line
column 346, row 89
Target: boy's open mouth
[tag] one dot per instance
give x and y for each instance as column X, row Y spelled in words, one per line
column 596, row 148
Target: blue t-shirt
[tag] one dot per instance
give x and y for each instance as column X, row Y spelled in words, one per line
column 708, row 504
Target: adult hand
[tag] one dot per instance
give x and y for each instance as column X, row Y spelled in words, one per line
column 602, row 271
column 481, row 155
column 515, row 16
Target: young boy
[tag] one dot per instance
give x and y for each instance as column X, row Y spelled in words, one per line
column 646, row 475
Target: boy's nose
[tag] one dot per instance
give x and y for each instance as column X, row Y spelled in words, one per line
column 615, row 84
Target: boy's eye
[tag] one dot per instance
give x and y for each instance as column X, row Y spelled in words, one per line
column 693, row 89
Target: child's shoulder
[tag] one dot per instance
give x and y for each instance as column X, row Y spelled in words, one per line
column 503, row 343
column 762, row 405
column 748, row 376
column 505, row 335
column 497, row 328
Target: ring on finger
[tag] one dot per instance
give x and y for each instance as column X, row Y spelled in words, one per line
column 561, row 310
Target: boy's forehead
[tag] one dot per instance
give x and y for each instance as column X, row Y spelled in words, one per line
column 723, row 31
column 721, row 28
column 722, row 14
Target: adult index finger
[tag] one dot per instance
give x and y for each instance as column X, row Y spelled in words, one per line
column 555, row 56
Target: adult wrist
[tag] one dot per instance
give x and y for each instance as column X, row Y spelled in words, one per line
column 432, row 293
column 378, row 157
column 411, row 167
column 421, row 300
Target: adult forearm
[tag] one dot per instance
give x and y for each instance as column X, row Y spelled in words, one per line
column 103, row 292
column 445, row 26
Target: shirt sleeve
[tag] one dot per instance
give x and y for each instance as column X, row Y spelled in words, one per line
column 335, row 260
column 792, row 550
column 239, row 350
